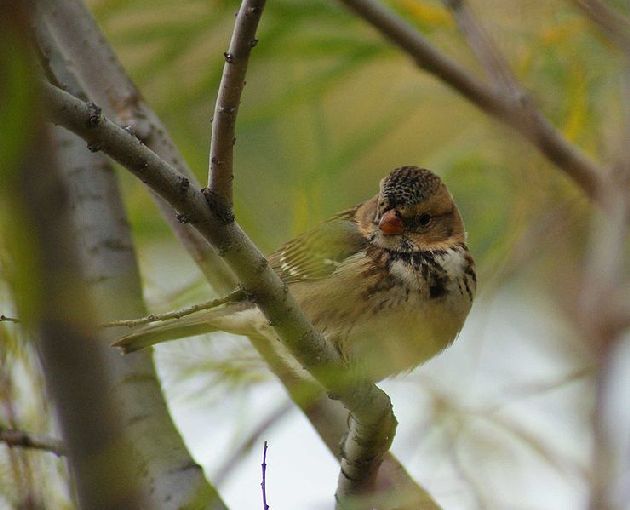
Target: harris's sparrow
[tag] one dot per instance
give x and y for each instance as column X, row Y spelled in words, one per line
column 388, row 282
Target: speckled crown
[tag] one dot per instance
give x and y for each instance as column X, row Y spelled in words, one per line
column 409, row 185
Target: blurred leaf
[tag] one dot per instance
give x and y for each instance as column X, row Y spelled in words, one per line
column 425, row 15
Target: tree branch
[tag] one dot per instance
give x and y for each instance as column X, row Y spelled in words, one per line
column 60, row 313
column 176, row 314
column 370, row 406
column 220, row 175
column 263, row 483
column 613, row 24
column 518, row 114
column 14, row 437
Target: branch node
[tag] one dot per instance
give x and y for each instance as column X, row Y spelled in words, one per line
column 182, row 218
column 218, row 206
column 229, row 57
column 184, row 185
column 94, row 117
column 262, row 265
column 230, row 110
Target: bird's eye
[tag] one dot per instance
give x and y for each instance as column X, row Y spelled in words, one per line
column 424, row 219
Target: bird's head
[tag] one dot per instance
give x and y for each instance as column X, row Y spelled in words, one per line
column 413, row 211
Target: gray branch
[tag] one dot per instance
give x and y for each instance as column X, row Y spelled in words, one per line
column 92, row 60
column 613, row 24
column 519, row 114
column 62, row 316
column 220, row 175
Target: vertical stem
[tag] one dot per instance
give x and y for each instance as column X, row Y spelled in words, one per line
column 221, row 171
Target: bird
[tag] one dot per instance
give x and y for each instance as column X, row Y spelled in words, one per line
column 389, row 282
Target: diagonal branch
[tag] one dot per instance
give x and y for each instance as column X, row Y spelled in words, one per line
column 104, row 78
column 374, row 423
column 232, row 82
column 20, row 438
column 612, row 23
column 520, row 114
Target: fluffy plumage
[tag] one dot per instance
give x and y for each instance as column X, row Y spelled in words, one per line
column 389, row 282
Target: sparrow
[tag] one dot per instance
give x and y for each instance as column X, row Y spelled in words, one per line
column 389, row 282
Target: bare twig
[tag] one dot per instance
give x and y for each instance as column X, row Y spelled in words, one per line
column 177, row 314
column 520, row 115
column 263, row 483
column 373, row 420
column 613, row 24
column 14, row 437
column 250, row 441
column 220, row 175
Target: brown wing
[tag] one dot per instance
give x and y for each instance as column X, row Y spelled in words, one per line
column 317, row 253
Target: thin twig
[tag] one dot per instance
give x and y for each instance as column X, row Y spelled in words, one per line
column 613, row 24
column 5, row 318
column 15, row 437
column 373, row 421
column 263, row 484
column 223, row 472
column 220, row 175
column 178, row 314
column 521, row 116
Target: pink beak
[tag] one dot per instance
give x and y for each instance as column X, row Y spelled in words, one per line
column 390, row 223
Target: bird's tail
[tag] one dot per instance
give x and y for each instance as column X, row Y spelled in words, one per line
column 226, row 318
